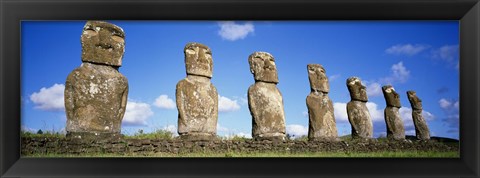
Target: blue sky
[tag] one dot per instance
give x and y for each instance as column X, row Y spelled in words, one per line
column 411, row 55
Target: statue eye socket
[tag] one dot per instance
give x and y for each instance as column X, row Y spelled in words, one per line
column 190, row 51
column 118, row 39
column 90, row 32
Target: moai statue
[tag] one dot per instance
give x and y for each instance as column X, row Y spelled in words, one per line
column 96, row 92
column 395, row 129
column 197, row 98
column 264, row 99
column 322, row 124
column 357, row 111
column 421, row 129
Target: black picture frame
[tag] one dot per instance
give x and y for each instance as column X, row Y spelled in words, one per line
column 14, row 11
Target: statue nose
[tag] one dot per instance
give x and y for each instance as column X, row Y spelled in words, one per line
column 201, row 56
column 105, row 36
column 269, row 65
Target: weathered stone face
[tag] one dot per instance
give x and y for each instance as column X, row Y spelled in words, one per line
column 357, row 90
column 415, row 102
column 95, row 100
column 198, row 60
column 395, row 129
column 318, row 78
column 421, row 129
column 321, row 117
column 262, row 66
column 266, row 107
column 359, row 118
column 391, row 96
column 102, row 43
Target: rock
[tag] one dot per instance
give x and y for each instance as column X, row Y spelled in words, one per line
column 103, row 43
column 421, row 129
column 265, row 100
column 321, row 117
column 357, row 111
column 395, row 129
column 197, row 98
column 356, row 89
column 359, row 118
column 96, row 92
column 318, row 78
column 263, row 68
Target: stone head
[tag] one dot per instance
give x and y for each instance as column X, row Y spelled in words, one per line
column 415, row 102
column 198, row 60
column 318, row 78
column 103, row 43
column 357, row 90
column 262, row 66
column 391, row 96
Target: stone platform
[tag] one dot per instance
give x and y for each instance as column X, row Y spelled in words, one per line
column 35, row 146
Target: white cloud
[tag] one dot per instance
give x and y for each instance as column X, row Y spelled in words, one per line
column 447, row 53
column 340, row 111
column 49, row 99
column 232, row 31
column 243, row 100
column 297, row 130
column 445, row 104
column 374, row 89
column 334, row 77
column 400, row 73
column 451, row 110
column 428, row 116
column 375, row 113
column 406, row 49
column 137, row 114
column 227, row 105
column 164, row 102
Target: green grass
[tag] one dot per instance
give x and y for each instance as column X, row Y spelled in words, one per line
column 411, row 154
column 46, row 134
column 158, row 134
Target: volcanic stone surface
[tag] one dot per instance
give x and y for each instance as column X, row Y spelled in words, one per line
column 320, row 108
column 96, row 92
column 196, row 97
column 357, row 111
column 421, row 128
column 395, row 129
column 264, row 99
column 103, row 43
